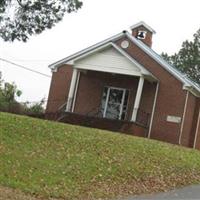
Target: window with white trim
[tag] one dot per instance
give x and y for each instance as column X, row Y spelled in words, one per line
column 114, row 103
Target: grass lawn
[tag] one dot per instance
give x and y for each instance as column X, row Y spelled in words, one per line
column 48, row 159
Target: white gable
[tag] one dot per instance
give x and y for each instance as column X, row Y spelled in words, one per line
column 108, row 60
column 111, row 51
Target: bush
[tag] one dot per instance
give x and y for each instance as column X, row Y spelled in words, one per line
column 36, row 108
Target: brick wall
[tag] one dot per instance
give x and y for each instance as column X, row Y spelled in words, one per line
column 148, row 95
column 190, row 121
column 92, row 83
column 170, row 100
column 59, row 88
column 107, row 124
column 91, row 87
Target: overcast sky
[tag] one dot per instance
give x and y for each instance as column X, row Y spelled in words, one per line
column 173, row 20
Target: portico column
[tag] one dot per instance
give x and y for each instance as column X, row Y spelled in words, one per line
column 72, row 90
column 137, row 99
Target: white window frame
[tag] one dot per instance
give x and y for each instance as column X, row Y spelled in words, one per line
column 122, row 102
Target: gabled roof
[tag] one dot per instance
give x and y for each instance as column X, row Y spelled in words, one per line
column 53, row 66
column 143, row 70
column 188, row 84
column 143, row 24
column 186, row 81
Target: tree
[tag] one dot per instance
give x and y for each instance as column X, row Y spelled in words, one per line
column 8, row 103
column 20, row 19
column 187, row 60
column 8, row 94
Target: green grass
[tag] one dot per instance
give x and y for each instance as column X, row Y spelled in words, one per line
column 57, row 160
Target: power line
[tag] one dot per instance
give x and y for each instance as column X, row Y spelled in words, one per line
column 23, row 67
column 32, row 60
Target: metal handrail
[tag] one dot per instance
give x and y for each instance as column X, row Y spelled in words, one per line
column 62, row 106
column 60, row 112
column 143, row 117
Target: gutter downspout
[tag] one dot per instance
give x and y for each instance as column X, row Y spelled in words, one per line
column 153, row 110
column 183, row 118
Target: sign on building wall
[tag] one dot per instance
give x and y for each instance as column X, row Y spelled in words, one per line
column 173, row 119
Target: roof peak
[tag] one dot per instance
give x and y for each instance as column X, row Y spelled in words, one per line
column 142, row 23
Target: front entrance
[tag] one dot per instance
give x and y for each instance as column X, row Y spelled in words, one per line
column 114, row 103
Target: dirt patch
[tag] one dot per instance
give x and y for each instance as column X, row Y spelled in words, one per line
column 11, row 194
column 14, row 194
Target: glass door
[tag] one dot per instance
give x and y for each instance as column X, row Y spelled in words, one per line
column 114, row 103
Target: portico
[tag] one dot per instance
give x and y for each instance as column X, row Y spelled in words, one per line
column 115, row 101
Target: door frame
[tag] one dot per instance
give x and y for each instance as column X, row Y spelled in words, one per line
column 107, row 99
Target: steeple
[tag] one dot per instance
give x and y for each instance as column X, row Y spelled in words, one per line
column 143, row 32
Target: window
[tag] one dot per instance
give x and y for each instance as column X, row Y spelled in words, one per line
column 114, row 103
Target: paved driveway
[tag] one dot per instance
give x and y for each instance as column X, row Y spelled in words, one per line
column 189, row 193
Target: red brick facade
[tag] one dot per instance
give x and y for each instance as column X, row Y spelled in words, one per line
column 91, row 84
column 59, row 88
column 107, row 124
column 190, row 121
column 170, row 101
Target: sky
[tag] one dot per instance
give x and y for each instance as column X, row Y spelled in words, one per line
column 173, row 20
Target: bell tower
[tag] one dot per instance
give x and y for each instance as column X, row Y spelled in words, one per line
column 143, row 32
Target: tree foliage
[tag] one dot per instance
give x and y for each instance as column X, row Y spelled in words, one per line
column 187, row 60
column 8, row 94
column 21, row 18
column 35, row 108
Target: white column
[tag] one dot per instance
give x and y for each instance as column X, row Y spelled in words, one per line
column 72, row 90
column 137, row 99
column 75, row 93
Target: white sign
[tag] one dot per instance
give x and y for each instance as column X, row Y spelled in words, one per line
column 173, row 119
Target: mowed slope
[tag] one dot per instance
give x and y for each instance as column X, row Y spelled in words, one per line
column 48, row 159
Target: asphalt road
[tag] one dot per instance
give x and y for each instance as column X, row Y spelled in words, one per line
column 189, row 193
